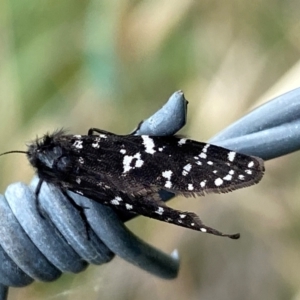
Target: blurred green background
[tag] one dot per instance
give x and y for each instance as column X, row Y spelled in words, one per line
column 110, row 64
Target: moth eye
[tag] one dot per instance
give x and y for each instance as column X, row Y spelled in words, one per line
column 64, row 163
column 57, row 151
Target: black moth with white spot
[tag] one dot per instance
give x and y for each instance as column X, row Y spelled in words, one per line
column 127, row 172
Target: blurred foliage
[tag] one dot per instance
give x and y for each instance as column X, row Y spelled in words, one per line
column 109, row 64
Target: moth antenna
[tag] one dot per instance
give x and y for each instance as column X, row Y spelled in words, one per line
column 14, row 151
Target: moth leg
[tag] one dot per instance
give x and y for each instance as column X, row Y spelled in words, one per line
column 93, row 130
column 37, row 202
column 136, row 129
column 80, row 209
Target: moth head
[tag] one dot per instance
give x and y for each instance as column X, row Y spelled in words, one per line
column 42, row 152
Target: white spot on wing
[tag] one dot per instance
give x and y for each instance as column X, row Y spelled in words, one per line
column 168, row 184
column 127, row 160
column 204, row 150
column 168, row 175
column 186, row 169
column 182, row 216
column 203, row 155
column 231, row 155
column 126, row 163
column 78, row 180
column 78, row 144
column 116, row 201
column 181, row 142
column 203, row 229
column 210, row 163
column 122, row 151
column 190, row 187
column 228, row 177
column 95, row 144
column 218, row 181
column 203, row 183
column 139, row 163
column 98, row 139
column 159, row 211
column 248, row 172
column 128, row 206
column 149, row 144
column 251, row 164
column 241, row 177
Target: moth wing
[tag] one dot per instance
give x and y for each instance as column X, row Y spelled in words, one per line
column 151, row 206
column 176, row 164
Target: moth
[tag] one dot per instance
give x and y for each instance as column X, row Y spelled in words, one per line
column 127, row 172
